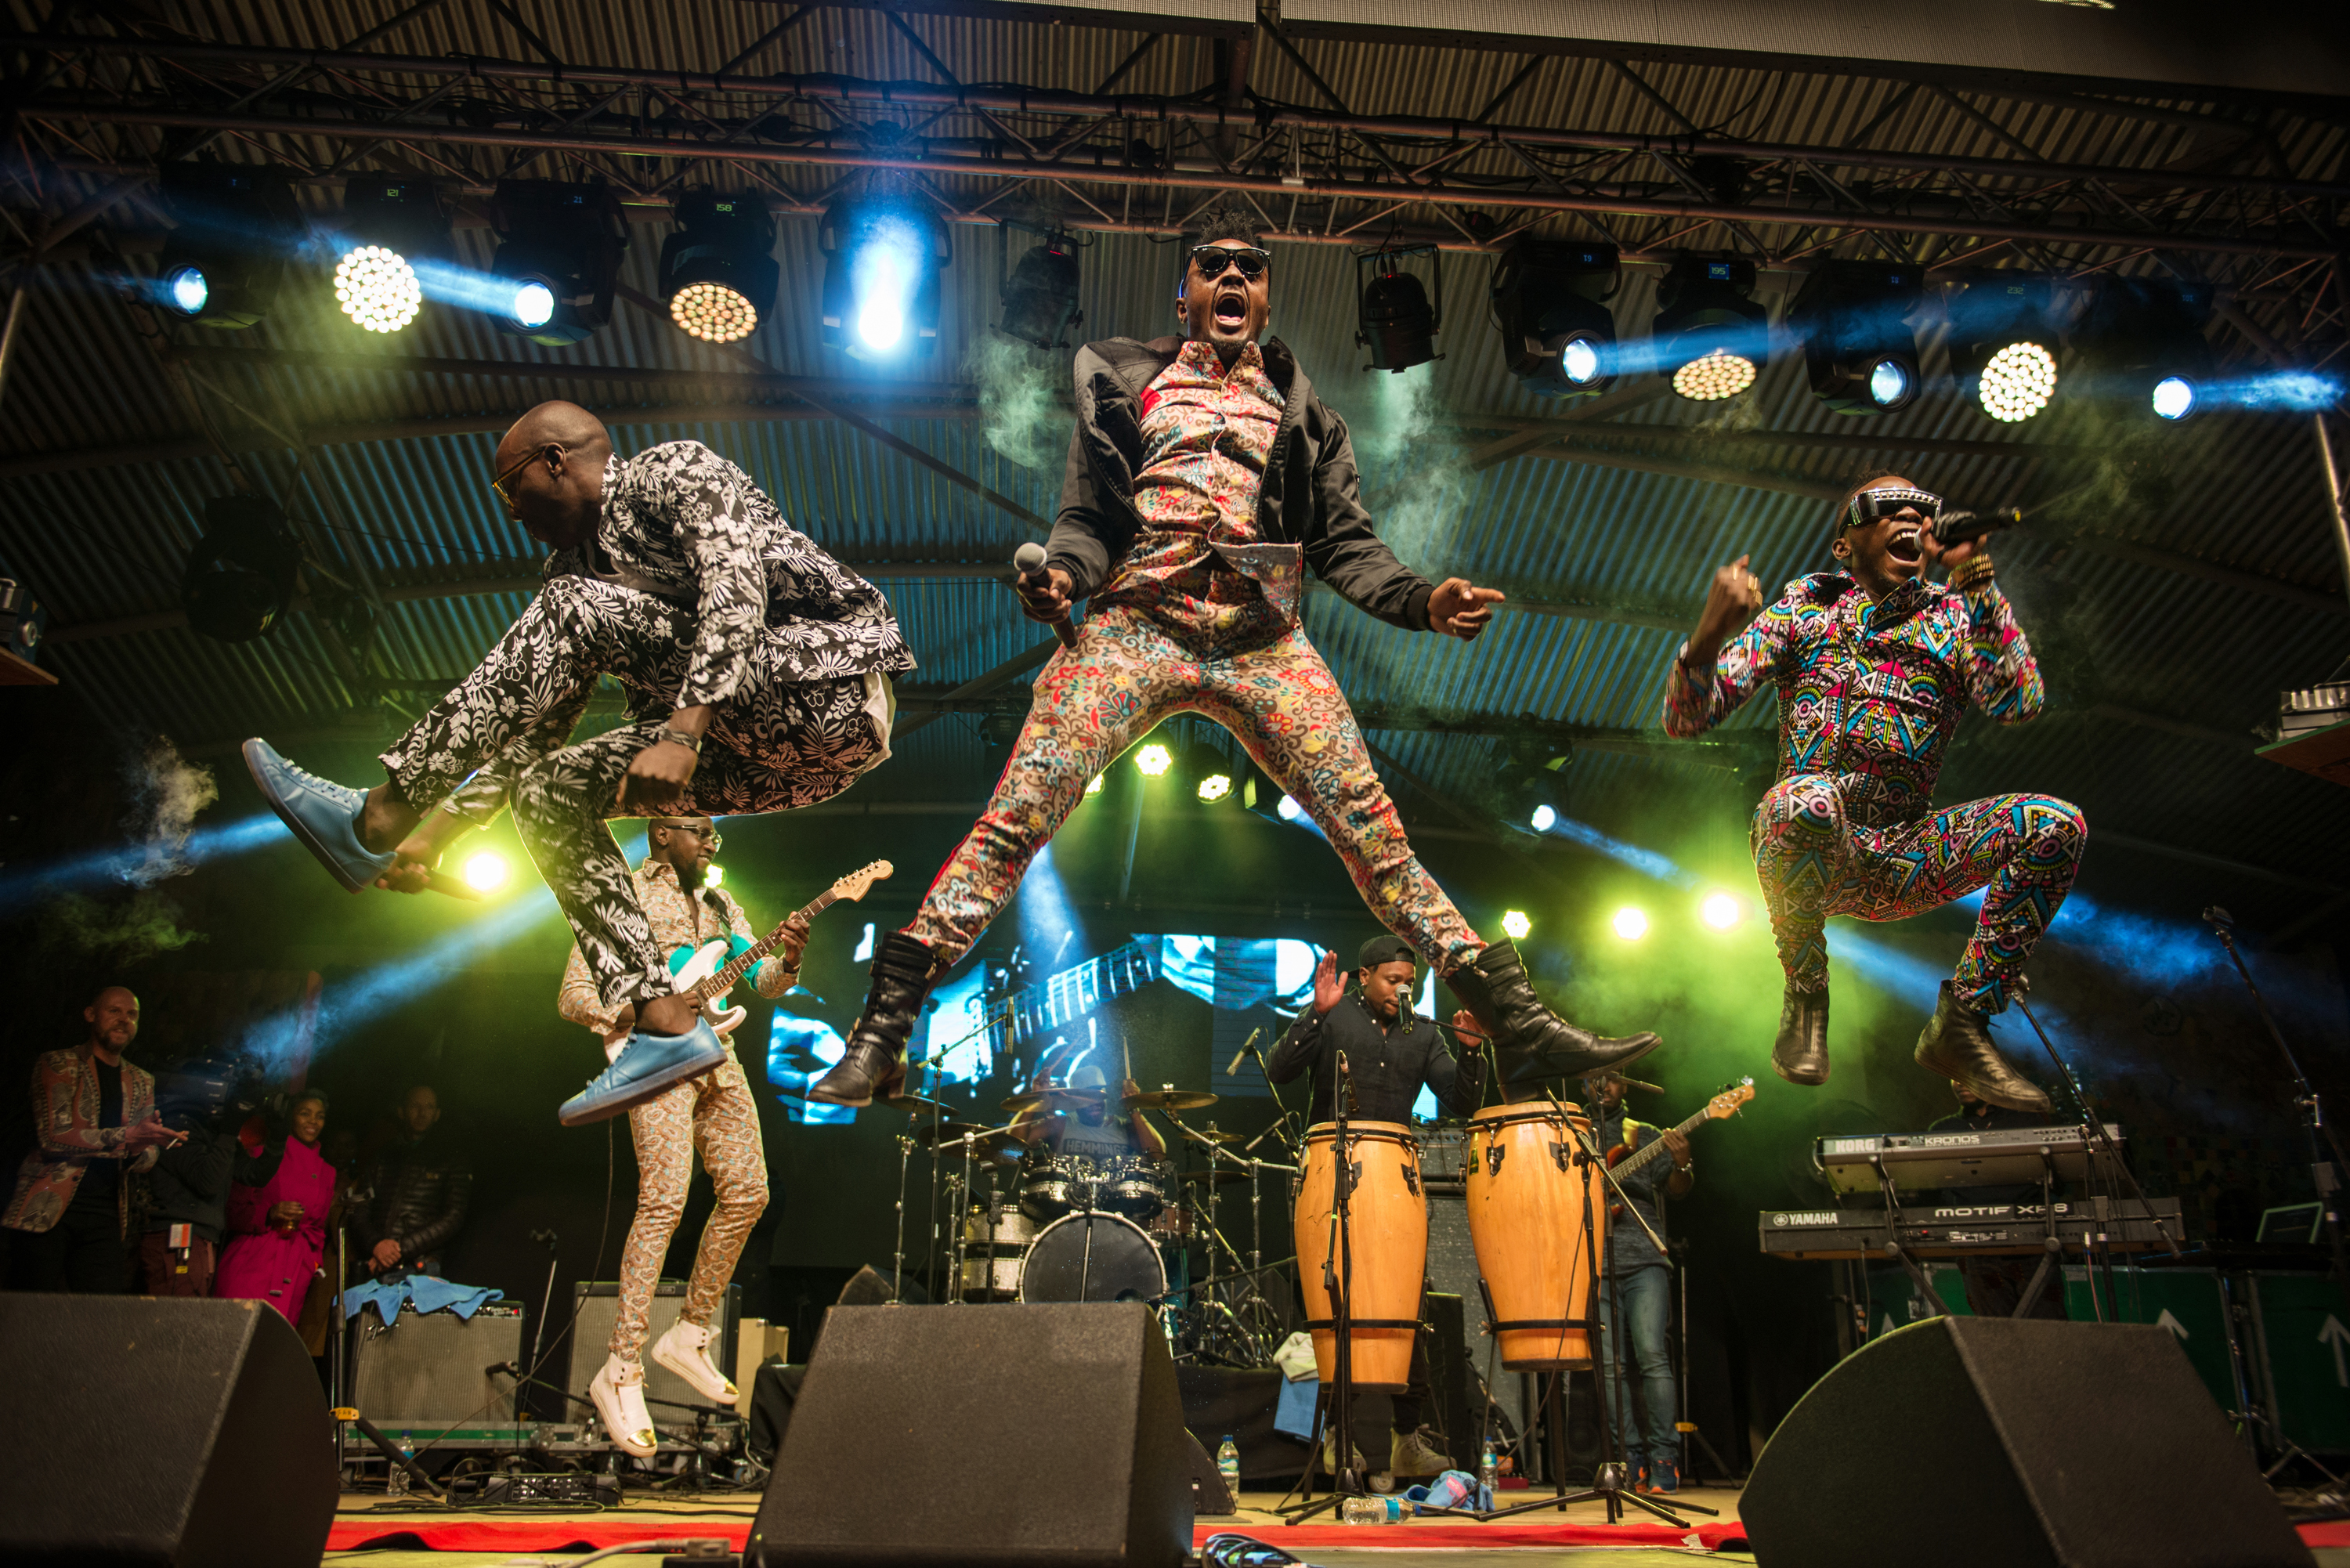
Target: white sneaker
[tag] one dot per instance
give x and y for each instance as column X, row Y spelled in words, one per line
column 685, row 1350
column 618, row 1393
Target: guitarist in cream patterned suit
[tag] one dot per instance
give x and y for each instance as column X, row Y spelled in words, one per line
column 714, row 1113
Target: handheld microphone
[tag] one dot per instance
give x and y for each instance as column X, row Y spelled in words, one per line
column 1029, row 562
column 1958, row 527
column 1240, row 1056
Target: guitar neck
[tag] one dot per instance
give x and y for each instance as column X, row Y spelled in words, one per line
column 1650, row 1150
column 722, row 980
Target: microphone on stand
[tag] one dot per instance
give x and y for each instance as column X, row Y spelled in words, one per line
column 1029, row 562
column 1958, row 527
column 1240, row 1056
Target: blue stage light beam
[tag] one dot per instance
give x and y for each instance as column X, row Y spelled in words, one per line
column 373, row 992
column 1048, row 926
column 139, row 865
column 1647, row 862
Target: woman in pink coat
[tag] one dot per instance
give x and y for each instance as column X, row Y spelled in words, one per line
column 278, row 1231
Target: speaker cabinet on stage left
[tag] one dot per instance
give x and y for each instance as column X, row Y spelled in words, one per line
column 1046, row 1436
column 187, row 1433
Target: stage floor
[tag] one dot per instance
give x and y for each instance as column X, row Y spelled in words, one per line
column 369, row 1530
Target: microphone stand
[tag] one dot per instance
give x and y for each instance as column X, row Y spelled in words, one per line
column 2325, row 1174
column 1336, row 1403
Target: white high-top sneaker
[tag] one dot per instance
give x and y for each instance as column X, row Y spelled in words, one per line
column 685, row 1350
column 618, row 1393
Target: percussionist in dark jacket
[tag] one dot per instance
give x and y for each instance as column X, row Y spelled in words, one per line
column 1391, row 1053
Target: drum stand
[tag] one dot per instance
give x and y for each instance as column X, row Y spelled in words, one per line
column 1334, row 1403
column 1609, row 1487
column 897, row 1265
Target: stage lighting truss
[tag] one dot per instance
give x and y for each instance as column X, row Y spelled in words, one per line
column 558, row 260
column 1393, row 317
column 1549, row 300
column 2004, row 339
column 1854, row 320
column 1040, row 296
column 388, row 225
column 2141, row 340
column 718, row 273
column 1708, row 337
column 237, row 228
column 884, row 249
column 241, row 575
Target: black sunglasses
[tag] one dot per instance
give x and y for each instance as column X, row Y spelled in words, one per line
column 1869, row 507
column 1209, row 261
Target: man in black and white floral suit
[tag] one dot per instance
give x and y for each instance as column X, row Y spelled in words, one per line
column 758, row 673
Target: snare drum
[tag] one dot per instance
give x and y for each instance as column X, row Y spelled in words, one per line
column 1386, row 1233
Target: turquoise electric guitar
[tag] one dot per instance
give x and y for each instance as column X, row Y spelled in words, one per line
column 708, row 972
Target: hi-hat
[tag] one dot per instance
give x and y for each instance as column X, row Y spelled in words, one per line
column 1168, row 1099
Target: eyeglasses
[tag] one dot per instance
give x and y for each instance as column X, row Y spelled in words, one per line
column 716, row 839
column 1211, row 261
column 499, row 483
column 1869, row 507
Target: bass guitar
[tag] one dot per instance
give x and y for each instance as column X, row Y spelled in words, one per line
column 708, row 972
column 1624, row 1160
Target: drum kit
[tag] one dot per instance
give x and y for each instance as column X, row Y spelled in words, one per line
column 1041, row 1225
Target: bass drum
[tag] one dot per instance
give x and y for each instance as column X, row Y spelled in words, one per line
column 1121, row 1266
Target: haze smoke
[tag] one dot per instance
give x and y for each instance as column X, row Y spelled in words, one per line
column 1020, row 410
column 1426, row 484
column 166, row 793
column 144, row 924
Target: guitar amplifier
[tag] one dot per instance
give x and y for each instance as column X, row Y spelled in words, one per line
column 425, row 1372
column 598, row 1302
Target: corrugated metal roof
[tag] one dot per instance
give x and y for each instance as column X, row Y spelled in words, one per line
column 2235, row 489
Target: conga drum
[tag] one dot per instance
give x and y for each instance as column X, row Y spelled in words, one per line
column 1527, row 1185
column 1386, row 1237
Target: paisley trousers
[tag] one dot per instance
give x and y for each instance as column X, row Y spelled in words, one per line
column 1130, row 671
column 775, row 745
column 714, row 1113
column 1812, row 863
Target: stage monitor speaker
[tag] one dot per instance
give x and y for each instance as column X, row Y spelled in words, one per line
column 1965, row 1440
column 1046, row 1436
column 162, row 1431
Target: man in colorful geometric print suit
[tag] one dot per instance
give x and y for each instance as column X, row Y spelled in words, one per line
column 1874, row 669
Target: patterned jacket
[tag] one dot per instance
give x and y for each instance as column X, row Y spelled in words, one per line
column 65, row 1120
column 677, row 921
column 1870, row 694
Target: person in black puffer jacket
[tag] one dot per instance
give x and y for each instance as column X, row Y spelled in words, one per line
column 418, row 1189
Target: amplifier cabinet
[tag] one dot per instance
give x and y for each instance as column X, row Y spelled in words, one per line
column 598, row 1302
column 425, row 1371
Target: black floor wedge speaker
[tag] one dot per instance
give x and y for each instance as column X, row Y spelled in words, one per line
column 1050, row 1436
column 186, row 1433
column 1961, row 1441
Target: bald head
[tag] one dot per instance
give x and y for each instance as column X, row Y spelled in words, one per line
column 113, row 1017
column 550, row 472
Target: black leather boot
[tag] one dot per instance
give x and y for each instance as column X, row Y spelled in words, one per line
column 1957, row 1044
column 1800, row 1055
column 1531, row 1041
column 874, row 1060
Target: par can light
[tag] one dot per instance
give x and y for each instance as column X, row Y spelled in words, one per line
column 1040, row 296
column 2003, row 336
column 718, row 271
column 1394, row 319
column 1708, row 337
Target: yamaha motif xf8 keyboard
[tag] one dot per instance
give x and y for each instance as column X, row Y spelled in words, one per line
column 2007, row 1157
column 1964, row 1230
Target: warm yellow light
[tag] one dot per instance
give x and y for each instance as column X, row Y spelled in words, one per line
column 1215, row 786
column 2017, row 382
column 1515, row 925
column 1154, row 759
column 377, row 288
column 1719, row 910
column 1630, row 923
column 1093, row 784
column 1712, row 377
column 714, row 313
column 714, row 878
column 486, row 872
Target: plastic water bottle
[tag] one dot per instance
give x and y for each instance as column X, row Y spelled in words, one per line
column 1371, row 1510
column 396, row 1482
column 1488, row 1474
column 1228, row 1465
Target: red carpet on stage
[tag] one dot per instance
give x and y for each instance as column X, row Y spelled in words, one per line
column 351, row 1533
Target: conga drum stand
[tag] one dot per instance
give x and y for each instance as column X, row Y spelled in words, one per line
column 1609, row 1488
column 1334, row 1403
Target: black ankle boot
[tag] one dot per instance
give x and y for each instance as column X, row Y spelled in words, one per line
column 1957, row 1044
column 874, row 1060
column 1800, row 1055
column 1531, row 1041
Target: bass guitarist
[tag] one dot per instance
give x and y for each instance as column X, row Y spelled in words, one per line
column 714, row 1113
column 1636, row 1290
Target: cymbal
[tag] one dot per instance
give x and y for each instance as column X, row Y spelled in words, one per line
column 1168, row 1100
column 1197, row 1136
column 918, row 1103
column 1035, row 1098
column 1217, row 1174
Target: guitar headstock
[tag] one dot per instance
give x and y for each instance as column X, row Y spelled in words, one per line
column 856, row 884
column 1727, row 1102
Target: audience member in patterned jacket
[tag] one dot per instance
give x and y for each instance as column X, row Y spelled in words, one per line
column 758, row 673
column 92, row 1114
column 714, row 1113
column 1874, row 671
column 1205, row 477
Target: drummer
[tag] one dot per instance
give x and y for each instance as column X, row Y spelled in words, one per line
column 1392, row 1054
column 1075, row 1119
